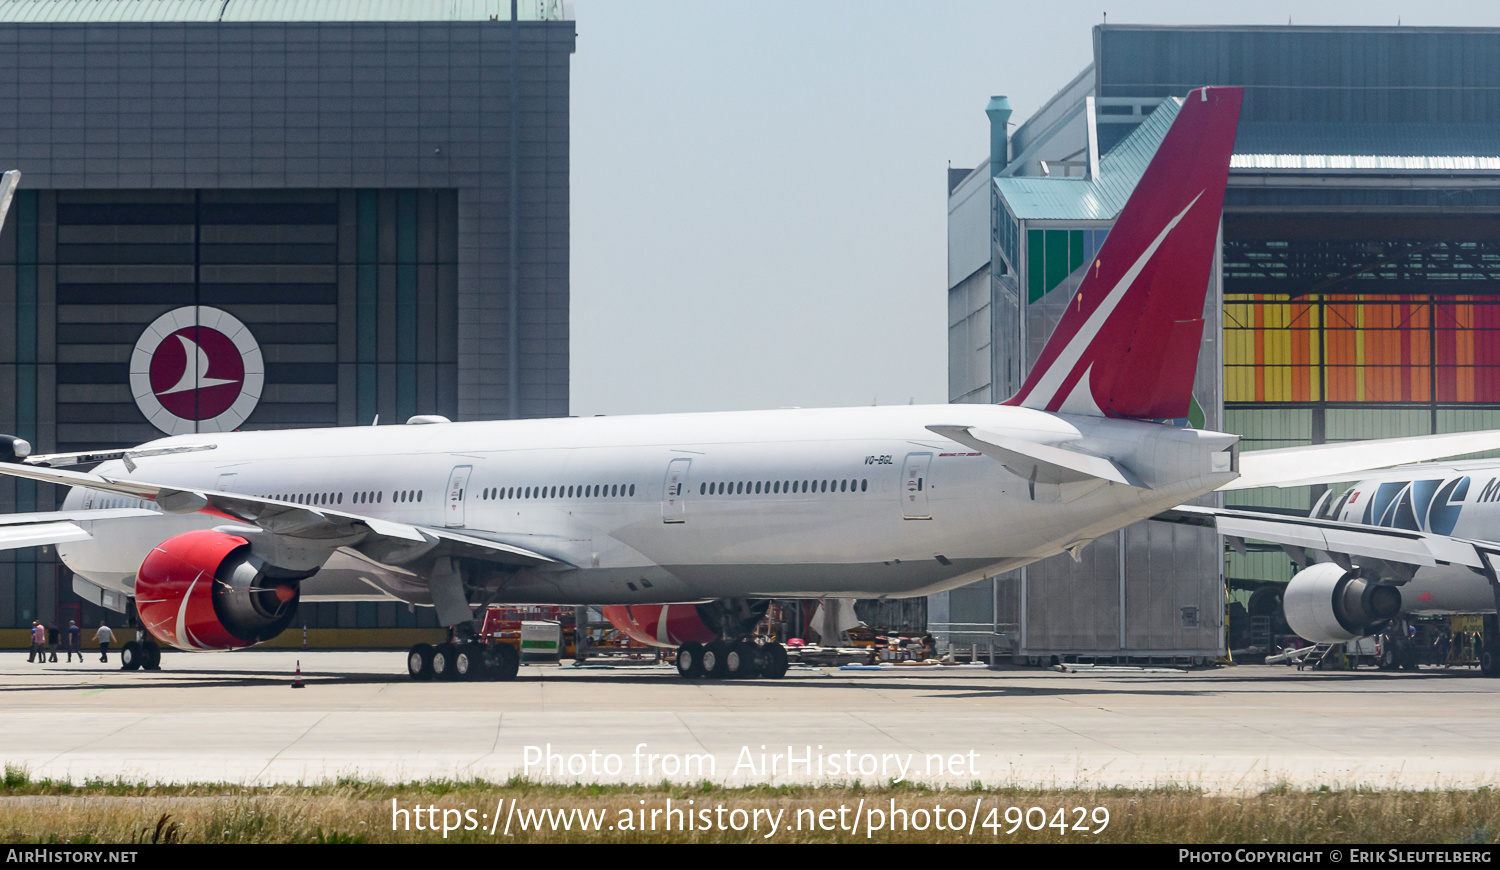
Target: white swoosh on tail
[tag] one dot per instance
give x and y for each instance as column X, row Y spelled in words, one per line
column 1052, row 379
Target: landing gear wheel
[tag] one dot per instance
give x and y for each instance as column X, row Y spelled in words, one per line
column 1387, row 656
column 690, row 660
column 714, row 655
column 1489, row 662
column 443, row 656
column 776, row 661
column 131, row 656
column 468, row 662
column 503, row 662
column 151, row 656
column 419, row 662
column 741, row 660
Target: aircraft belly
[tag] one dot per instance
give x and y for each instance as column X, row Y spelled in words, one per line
column 706, row 582
column 1446, row 589
column 345, row 577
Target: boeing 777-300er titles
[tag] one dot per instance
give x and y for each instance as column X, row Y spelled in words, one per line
column 218, row 536
column 1415, row 540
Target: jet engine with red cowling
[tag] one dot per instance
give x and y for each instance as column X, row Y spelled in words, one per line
column 205, row 590
column 672, row 625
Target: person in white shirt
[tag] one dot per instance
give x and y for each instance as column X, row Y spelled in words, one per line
column 105, row 637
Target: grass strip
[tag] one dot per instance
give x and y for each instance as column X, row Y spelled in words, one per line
column 359, row 811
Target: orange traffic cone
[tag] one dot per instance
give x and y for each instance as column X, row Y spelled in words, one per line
column 297, row 680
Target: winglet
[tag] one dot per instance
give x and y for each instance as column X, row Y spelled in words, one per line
column 1128, row 344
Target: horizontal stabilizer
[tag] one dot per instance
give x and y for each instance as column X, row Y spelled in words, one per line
column 1325, row 463
column 1041, row 463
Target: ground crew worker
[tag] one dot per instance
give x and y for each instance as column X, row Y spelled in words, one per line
column 38, row 643
column 105, row 637
column 52, row 637
column 73, row 638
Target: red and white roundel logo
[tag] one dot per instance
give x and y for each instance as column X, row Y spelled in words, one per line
column 196, row 369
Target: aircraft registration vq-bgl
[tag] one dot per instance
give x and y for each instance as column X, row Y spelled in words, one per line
column 218, row 536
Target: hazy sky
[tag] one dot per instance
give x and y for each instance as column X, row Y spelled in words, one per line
column 758, row 188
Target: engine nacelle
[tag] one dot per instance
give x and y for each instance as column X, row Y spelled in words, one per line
column 1326, row 604
column 13, row 449
column 205, row 590
column 672, row 625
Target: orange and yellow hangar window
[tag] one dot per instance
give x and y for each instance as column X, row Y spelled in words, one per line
column 1385, row 348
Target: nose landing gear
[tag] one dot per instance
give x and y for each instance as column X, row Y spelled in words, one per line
column 140, row 655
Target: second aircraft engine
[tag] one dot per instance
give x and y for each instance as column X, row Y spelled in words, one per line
column 1326, row 604
column 672, row 625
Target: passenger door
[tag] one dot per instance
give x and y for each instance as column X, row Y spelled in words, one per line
column 458, row 481
column 674, row 492
column 914, row 486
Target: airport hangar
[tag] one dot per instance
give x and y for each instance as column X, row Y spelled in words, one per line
column 1355, row 297
column 367, row 200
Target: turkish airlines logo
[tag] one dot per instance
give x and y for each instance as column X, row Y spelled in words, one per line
column 196, row 369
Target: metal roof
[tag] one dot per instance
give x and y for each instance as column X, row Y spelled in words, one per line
column 109, row 11
column 1380, row 140
column 1091, row 199
column 211, row 11
column 1344, row 147
column 1364, row 162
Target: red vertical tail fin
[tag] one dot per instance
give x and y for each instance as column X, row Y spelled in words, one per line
column 1128, row 344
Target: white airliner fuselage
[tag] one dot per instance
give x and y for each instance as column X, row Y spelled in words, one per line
column 1462, row 505
column 861, row 502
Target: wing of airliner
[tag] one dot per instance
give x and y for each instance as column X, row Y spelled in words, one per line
column 1283, row 467
column 305, row 526
column 1351, row 460
column 1335, row 539
column 54, row 527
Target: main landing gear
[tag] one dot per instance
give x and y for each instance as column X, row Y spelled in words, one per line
column 729, row 660
column 138, row 655
column 467, row 660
